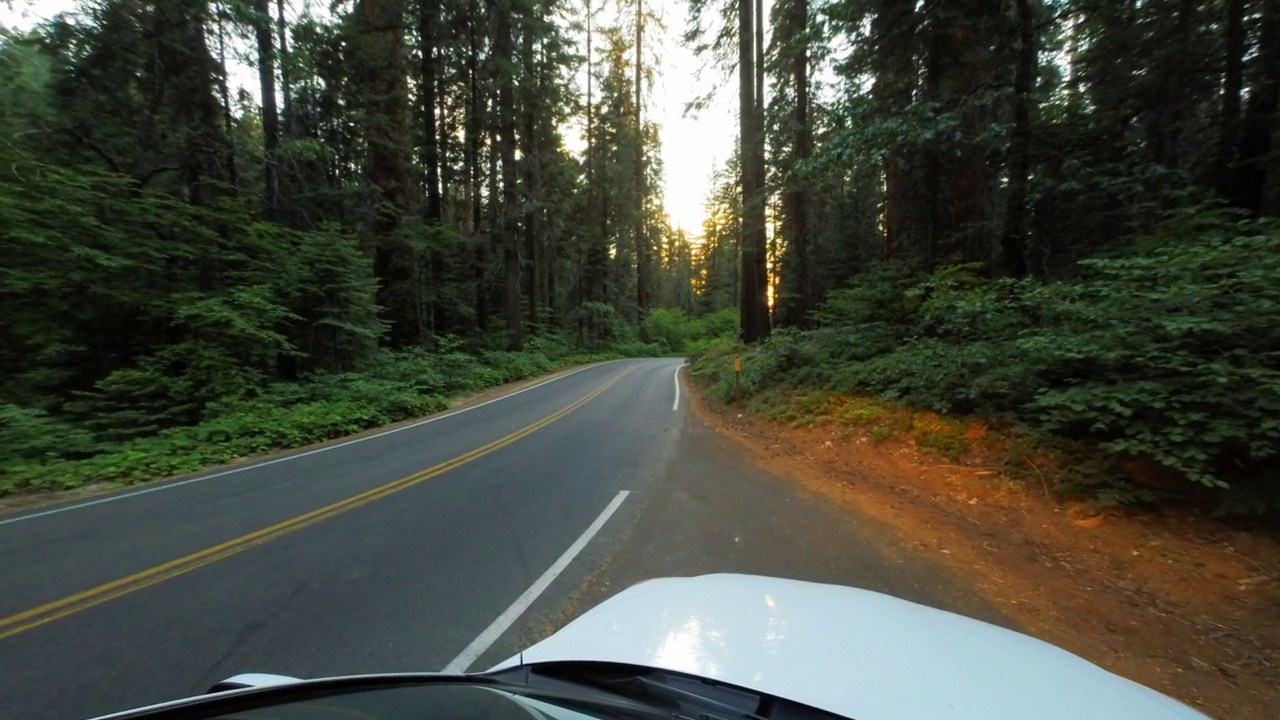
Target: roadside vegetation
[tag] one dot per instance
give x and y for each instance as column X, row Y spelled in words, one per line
column 1151, row 376
column 1053, row 220
column 112, row 436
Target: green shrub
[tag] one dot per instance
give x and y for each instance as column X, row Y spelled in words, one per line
column 1173, row 352
column 1168, row 351
column 672, row 332
column 39, row 451
column 33, row 435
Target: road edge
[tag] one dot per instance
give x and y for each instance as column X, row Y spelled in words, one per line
column 42, row 500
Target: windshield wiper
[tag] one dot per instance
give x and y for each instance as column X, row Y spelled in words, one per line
column 656, row 686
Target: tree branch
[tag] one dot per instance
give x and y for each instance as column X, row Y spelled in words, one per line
column 85, row 142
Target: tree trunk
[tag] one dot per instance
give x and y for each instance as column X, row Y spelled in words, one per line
column 893, row 30
column 1013, row 243
column 433, row 213
column 1232, row 84
column 549, row 244
column 759, row 38
column 270, row 115
column 428, row 18
column 385, row 101
column 590, row 280
column 642, row 246
column 799, row 292
column 508, row 229
column 754, row 304
column 530, row 100
column 286, row 91
column 960, row 179
column 233, row 178
column 472, row 214
column 195, row 73
column 761, row 257
column 1258, row 125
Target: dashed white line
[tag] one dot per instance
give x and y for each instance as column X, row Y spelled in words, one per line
column 676, row 405
column 508, row 617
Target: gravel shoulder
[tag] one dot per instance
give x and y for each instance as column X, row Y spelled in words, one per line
column 1182, row 604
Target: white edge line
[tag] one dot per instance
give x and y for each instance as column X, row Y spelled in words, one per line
column 676, row 405
column 508, row 617
column 273, row 461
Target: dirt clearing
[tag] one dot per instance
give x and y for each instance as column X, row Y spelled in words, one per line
column 1184, row 605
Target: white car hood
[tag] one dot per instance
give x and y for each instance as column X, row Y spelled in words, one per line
column 856, row 653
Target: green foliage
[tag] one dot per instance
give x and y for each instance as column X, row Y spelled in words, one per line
column 1171, row 353
column 32, row 435
column 675, row 333
column 40, row 452
column 598, row 326
column 1167, row 352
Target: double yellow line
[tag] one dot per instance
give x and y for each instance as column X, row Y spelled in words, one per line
column 35, row 617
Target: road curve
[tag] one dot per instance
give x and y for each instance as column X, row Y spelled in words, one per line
column 405, row 550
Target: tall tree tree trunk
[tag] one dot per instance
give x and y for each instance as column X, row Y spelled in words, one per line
column 761, row 267
column 960, row 180
column 1259, row 124
column 797, row 300
column 428, row 21
column 1013, row 243
column 893, row 32
column 493, row 196
column 472, row 213
column 286, row 90
column 754, row 303
column 433, row 212
column 270, row 114
column 529, row 150
column 229, row 158
column 508, row 230
column 759, row 38
column 195, row 74
column 549, row 242
column 596, row 254
column 642, row 244
column 385, row 99
column 1232, row 85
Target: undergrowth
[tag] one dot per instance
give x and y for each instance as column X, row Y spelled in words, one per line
column 131, row 428
column 51, row 454
column 1157, row 371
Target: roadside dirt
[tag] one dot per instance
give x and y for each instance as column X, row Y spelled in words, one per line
column 1181, row 604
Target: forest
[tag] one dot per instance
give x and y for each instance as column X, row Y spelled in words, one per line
column 192, row 275
column 1059, row 215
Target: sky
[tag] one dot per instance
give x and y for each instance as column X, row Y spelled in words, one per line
column 691, row 146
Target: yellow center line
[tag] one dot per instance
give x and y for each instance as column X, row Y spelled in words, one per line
column 37, row 616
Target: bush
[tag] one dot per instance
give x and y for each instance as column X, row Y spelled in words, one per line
column 1168, row 352
column 39, row 451
column 33, row 435
column 1173, row 352
column 671, row 332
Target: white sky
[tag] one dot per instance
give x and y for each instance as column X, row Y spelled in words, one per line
column 691, row 147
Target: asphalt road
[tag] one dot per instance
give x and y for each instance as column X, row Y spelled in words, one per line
column 444, row 544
